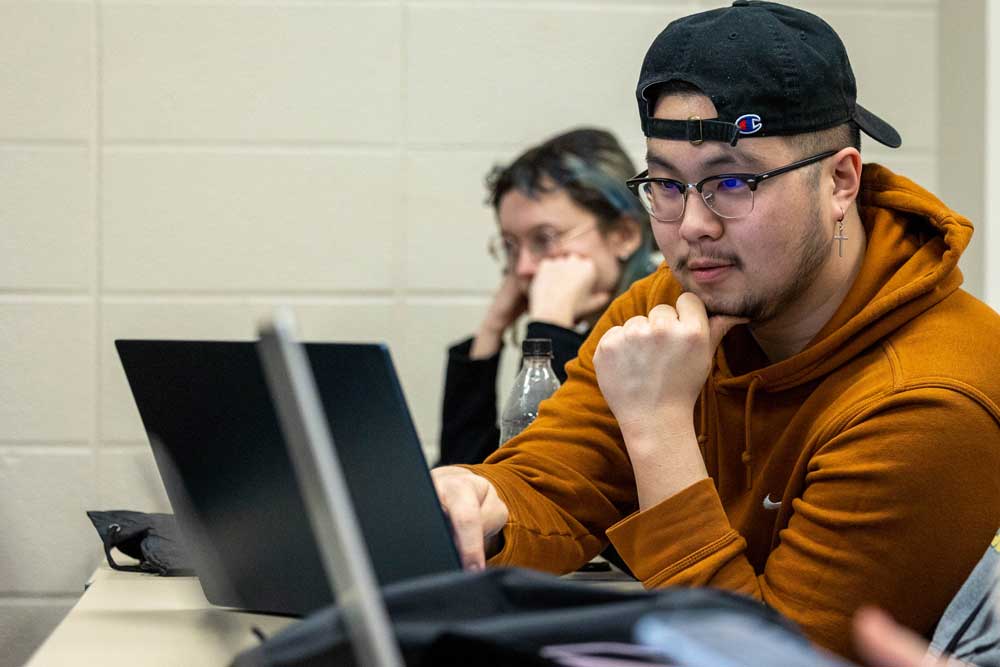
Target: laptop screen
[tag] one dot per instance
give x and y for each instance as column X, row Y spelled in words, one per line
column 218, row 444
column 324, row 490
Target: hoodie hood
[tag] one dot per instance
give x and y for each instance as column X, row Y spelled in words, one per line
column 911, row 263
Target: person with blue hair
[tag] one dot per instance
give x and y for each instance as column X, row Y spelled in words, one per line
column 571, row 236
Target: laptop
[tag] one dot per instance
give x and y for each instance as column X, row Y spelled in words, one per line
column 324, row 487
column 218, row 445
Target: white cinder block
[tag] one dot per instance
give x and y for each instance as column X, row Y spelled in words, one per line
column 44, row 496
column 343, row 320
column 263, row 72
column 636, row 150
column 433, row 325
column 24, row 625
column 46, row 71
column 921, row 169
column 193, row 220
column 897, row 82
column 47, row 218
column 127, row 478
column 448, row 223
column 513, row 75
column 47, row 383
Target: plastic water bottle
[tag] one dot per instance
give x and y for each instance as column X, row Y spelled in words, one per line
column 536, row 382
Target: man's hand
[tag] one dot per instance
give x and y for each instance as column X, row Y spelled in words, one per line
column 476, row 513
column 654, row 367
column 562, row 291
column 650, row 371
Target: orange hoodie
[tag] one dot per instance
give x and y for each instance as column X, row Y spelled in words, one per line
column 880, row 440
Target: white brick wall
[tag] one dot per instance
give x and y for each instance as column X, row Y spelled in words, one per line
column 175, row 169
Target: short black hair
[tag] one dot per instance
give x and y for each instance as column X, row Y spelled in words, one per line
column 834, row 138
column 545, row 167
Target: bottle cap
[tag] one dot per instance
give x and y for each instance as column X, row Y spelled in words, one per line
column 537, row 347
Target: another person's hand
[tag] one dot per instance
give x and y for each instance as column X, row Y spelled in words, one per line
column 562, row 291
column 882, row 642
column 508, row 304
column 476, row 513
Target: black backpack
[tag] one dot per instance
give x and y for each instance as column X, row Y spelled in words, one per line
column 501, row 617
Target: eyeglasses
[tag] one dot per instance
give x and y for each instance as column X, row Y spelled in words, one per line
column 540, row 243
column 727, row 195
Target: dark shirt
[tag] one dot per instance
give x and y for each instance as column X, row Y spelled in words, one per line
column 469, row 431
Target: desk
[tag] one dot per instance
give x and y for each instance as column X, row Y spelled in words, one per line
column 131, row 618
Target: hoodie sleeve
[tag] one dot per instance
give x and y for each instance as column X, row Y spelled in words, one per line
column 901, row 496
column 567, row 477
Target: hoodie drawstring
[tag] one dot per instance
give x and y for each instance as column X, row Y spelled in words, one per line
column 747, row 456
column 703, row 421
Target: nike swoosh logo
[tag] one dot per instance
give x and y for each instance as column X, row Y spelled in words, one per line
column 770, row 504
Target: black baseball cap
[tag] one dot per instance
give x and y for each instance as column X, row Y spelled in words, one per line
column 770, row 70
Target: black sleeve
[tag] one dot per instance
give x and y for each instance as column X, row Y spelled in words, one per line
column 469, row 430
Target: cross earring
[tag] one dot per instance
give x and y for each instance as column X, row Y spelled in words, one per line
column 840, row 236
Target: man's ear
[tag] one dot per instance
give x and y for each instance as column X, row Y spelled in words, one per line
column 846, row 175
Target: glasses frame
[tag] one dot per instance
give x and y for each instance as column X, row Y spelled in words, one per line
column 751, row 181
column 495, row 245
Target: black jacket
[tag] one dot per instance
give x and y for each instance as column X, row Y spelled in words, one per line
column 469, row 431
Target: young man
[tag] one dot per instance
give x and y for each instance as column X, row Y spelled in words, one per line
column 802, row 405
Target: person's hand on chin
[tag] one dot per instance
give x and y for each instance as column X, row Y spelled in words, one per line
column 509, row 302
column 650, row 371
column 563, row 292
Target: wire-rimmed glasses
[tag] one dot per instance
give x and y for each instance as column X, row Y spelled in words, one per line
column 727, row 195
column 540, row 243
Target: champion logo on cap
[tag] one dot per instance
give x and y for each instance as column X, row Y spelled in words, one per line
column 749, row 123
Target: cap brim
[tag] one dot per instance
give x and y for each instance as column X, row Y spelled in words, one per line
column 876, row 128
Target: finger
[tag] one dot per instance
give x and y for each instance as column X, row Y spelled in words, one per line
column 662, row 316
column 549, row 264
column 608, row 340
column 663, row 310
column 574, row 257
column 884, row 643
column 544, row 264
column 691, row 310
column 636, row 325
column 461, row 505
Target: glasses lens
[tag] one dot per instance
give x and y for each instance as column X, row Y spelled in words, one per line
column 664, row 200
column 502, row 250
column 728, row 197
column 542, row 244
